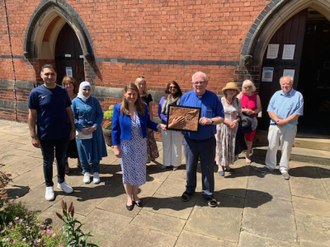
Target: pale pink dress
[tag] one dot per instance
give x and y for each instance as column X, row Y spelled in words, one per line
column 225, row 136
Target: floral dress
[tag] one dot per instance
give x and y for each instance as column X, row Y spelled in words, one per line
column 225, row 136
column 134, row 155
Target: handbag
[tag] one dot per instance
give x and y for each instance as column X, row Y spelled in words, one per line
column 240, row 144
column 80, row 135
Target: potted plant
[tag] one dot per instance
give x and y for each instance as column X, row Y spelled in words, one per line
column 107, row 125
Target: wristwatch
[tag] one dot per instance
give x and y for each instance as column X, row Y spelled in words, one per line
column 212, row 121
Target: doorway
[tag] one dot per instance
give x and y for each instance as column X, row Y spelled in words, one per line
column 314, row 82
column 69, row 56
column 308, row 33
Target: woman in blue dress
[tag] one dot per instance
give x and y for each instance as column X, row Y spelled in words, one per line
column 129, row 130
column 88, row 116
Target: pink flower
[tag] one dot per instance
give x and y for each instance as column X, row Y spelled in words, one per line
column 43, row 232
column 42, row 225
column 14, row 241
column 17, row 218
column 61, row 245
column 26, row 216
column 39, row 240
column 54, row 235
column 7, row 239
column 10, row 223
column 37, row 224
column 24, row 239
column 28, row 228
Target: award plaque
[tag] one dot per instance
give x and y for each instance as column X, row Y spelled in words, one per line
column 183, row 118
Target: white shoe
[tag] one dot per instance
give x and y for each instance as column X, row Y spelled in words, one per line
column 50, row 196
column 87, row 178
column 96, row 178
column 65, row 187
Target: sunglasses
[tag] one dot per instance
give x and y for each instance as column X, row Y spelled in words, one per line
column 172, row 87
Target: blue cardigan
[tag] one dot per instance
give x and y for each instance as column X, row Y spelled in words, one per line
column 121, row 125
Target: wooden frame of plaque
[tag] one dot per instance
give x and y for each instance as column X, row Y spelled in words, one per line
column 190, row 114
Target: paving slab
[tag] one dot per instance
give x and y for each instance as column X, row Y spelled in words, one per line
column 172, row 187
column 104, row 226
column 222, row 222
column 324, row 172
column 163, row 223
column 253, row 240
column 172, row 206
column 313, row 228
column 86, row 197
column 311, row 206
column 35, row 199
column 192, row 239
column 143, row 237
column 269, row 218
column 304, row 243
column 273, row 184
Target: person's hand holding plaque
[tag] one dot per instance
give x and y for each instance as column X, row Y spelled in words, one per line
column 177, row 123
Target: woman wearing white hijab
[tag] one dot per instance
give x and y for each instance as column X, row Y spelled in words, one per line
column 88, row 116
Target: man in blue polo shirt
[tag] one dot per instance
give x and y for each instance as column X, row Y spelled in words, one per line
column 201, row 144
column 284, row 109
column 50, row 109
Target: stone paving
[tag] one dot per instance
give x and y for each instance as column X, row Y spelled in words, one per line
column 252, row 210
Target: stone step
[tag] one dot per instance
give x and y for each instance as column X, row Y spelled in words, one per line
column 298, row 154
column 308, row 141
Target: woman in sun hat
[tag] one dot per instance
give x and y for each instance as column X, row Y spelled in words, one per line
column 226, row 131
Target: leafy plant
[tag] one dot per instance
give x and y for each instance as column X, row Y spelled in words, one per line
column 25, row 230
column 74, row 236
column 4, row 180
column 107, row 115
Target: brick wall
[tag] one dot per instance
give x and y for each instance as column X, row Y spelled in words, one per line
column 177, row 32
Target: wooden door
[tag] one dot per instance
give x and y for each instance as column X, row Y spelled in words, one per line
column 290, row 33
column 68, row 55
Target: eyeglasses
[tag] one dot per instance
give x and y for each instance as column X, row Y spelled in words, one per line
column 173, row 87
column 199, row 82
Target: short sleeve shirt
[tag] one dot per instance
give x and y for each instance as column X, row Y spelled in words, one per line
column 52, row 119
column 285, row 105
column 210, row 106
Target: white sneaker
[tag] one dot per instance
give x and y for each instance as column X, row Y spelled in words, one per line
column 65, row 187
column 96, row 178
column 50, row 196
column 87, row 178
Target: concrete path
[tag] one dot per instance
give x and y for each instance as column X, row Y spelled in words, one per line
column 252, row 211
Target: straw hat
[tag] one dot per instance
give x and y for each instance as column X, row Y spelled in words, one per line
column 231, row 85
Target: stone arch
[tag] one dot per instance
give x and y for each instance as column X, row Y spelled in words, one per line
column 274, row 15
column 54, row 13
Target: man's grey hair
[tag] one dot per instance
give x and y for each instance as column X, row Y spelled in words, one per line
column 291, row 79
column 199, row 73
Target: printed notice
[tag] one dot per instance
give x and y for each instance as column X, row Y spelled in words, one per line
column 272, row 51
column 267, row 74
column 289, row 72
column 288, row 52
column 68, row 71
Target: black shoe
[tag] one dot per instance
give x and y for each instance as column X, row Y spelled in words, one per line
column 138, row 204
column 130, row 207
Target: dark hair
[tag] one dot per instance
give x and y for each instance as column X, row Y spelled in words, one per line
column 47, row 66
column 138, row 103
column 71, row 80
column 178, row 91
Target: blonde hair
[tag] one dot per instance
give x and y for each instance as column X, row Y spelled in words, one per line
column 138, row 80
column 138, row 103
column 248, row 83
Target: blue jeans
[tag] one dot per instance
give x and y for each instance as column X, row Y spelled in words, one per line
column 193, row 149
column 47, row 148
column 95, row 166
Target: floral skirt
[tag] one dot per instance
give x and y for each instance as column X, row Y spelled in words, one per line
column 152, row 149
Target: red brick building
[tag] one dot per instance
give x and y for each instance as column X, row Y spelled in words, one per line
column 110, row 43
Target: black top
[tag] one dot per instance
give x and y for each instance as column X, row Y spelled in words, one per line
column 146, row 99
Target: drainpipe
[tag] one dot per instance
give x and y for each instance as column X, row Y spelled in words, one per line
column 12, row 60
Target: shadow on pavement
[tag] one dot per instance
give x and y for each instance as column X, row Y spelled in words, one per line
column 17, row 191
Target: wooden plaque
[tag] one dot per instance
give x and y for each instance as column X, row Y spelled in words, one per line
column 191, row 117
